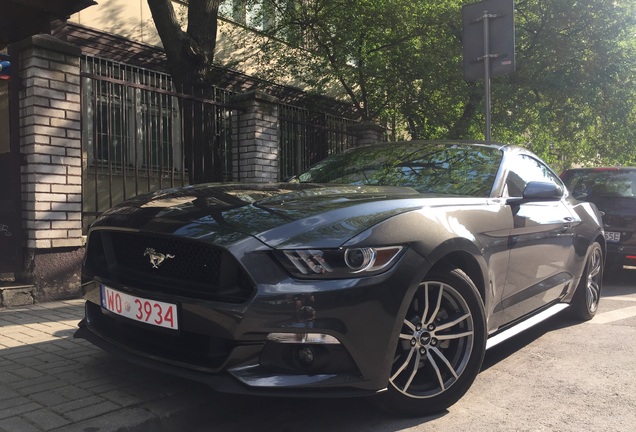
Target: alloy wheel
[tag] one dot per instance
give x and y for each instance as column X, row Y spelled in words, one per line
column 435, row 342
column 594, row 279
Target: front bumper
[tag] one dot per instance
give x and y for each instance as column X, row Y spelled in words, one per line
column 226, row 345
column 224, row 382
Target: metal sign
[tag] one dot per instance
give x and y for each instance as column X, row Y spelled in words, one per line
column 498, row 16
column 489, row 43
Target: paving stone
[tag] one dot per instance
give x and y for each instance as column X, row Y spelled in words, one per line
column 56, row 363
column 14, row 401
column 52, row 382
column 18, row 352
column 103, row 387
column 27, row 373
column 123, row 420
column 8, row 377
column 122, row 397
column 6, row 392
column 73, row 392
column 92, row 411
column 46, row 419
column 77, row 404
column 15, row 410
column 15, row 424
column 36, row 385
column 50, row 397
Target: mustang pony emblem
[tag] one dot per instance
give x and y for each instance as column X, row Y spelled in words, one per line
column 156, row 258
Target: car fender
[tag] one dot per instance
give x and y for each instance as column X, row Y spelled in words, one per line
column 584, row 236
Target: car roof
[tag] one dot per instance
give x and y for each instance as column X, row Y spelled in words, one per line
column 476, row 143
column 606, row 168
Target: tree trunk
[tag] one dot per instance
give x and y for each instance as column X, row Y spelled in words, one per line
column 461, row 128
column 190, row 54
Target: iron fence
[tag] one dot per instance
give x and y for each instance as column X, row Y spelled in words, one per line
column 137, row 131
column 306, row 137
column 139, row 135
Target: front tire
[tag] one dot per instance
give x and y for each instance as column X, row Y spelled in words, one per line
column 588, row 292
column 440, row 346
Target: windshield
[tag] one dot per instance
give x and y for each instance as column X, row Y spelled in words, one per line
column 432, row 168
column 586, row 185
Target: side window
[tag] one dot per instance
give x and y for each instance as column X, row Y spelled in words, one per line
column 524, row 170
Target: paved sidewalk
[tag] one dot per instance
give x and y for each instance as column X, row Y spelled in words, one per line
column 50, row 381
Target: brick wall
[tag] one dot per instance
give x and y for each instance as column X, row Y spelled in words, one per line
column 50, row 142
column 51, row 171
column 256, row 157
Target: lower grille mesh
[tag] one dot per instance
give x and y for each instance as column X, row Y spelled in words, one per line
column 187, row 348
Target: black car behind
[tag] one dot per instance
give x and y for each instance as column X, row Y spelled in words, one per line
column 613, row 190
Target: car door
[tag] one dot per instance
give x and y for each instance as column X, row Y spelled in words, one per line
column 540, row 242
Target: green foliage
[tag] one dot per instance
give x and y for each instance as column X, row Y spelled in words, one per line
column 572, row 98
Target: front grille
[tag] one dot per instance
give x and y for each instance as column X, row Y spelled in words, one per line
column 167, row 264
column 182, row 260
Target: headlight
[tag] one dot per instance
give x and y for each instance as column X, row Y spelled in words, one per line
column 338, row 263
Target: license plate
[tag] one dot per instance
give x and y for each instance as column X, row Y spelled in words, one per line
column 612, row 236
column 139, row 309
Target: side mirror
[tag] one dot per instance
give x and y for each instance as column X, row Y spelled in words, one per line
column 539, row 191
column 542, row 191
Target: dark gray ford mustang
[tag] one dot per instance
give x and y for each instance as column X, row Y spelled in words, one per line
column 385, row 270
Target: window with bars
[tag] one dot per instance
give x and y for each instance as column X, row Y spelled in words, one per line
column 131, row 134
column 132, row 120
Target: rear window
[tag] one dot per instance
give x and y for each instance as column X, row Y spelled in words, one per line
column 587, row 185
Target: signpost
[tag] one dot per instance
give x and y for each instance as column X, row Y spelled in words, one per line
column 489, row 43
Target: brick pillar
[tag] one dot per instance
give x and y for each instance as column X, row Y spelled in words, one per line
column 367, row 133
column 256, row 152
column 50, row 144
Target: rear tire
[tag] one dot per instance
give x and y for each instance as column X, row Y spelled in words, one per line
column 588, row 292
column 440, row 347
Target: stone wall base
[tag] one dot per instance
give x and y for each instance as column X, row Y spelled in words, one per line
column 19, row 295
column 55, row 273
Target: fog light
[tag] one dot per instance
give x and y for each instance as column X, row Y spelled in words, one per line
column 306, row 355
column 294, row 338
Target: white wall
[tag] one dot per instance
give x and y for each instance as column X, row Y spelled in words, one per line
column 128, row 18
column 237, row 46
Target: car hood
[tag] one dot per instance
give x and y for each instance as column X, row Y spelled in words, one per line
column 280, row 215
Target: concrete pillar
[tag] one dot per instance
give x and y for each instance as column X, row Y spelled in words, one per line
column 256, row 153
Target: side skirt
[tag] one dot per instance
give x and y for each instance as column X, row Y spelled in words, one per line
column 525, row 324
